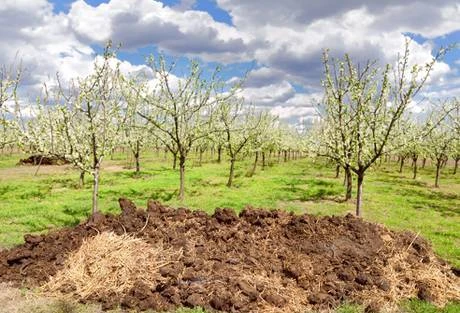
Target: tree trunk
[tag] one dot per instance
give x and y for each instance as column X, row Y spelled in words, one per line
column 444, row 162
column 348, row 183
column 254, row 166
column 456, row 166
column 136, row 156
column 136, row 159
column 285, row 155
column 174, row 161
column 263, row 160
column 414, row 162
column 232, row 172
column 337, row 171
column 182, row 177
column 401, row 164
column 279, row 156
column 219, row 154
column 129, row 158
column 200, row 160
column 424, row 162
column 95, row 189
column 81, row 181
column 359, row 196
column 438, row 170
column 39, row 164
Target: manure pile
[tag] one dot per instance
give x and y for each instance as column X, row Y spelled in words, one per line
column 43, row 160
column 260, row 261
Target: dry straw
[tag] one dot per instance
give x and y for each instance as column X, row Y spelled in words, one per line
column 405, row 278
column 108, row 265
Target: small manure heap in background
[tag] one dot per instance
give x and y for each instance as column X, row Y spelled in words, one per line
column 43, row 160
column 265, row 261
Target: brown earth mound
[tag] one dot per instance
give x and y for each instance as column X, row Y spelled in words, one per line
column 43, row 160
column 259, row 261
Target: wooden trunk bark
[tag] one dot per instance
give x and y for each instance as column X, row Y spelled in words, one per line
column 263, row 160
column 182, row 178
column 81, row 181
column 95, row 207
column 414, row 161
column 438, row 171
column 359, row 196
column 349, row 183
column 401, row 164
column 232, row 173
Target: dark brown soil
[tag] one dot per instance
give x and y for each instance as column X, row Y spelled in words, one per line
column 43, row 160
column 243, row 263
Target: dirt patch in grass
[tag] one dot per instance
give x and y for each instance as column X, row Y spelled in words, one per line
column 264, row 261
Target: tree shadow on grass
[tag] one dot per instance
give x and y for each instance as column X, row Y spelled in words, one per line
column 75, row 215
column 444, row 203
column 54, row 182
column 428, row 194
column 6, row 189
column 321, row 194
column 163, row 194
column 134, row 175
column 444, row 210
column 312, row 189
column 35, row 194
column 204, row 182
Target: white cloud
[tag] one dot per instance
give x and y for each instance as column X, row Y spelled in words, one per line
column 140, row 23
column 290, row 112
column 184, row 5
column 269, row 95
column 264, row 76
column 426, row 17
column 295, row 33
column 305, row 100
column 43, row 41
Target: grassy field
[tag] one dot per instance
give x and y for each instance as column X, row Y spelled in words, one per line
column 30, row 203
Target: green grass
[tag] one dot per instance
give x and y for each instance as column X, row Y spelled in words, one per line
column 52, row 199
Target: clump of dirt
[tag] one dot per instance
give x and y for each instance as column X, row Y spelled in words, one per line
column 43, row 160
column 258, row 261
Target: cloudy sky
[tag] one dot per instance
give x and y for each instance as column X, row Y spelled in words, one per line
column 278, row 42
